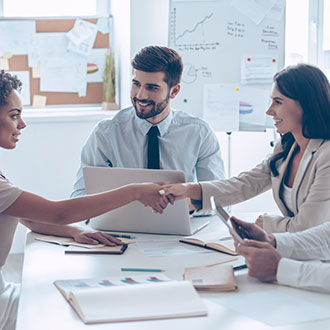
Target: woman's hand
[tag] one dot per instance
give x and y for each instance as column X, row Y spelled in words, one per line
column 251, row 231
column 153, row 195
column 176, row 191
column 95, row 237
column 183, row 190
column 260, row 221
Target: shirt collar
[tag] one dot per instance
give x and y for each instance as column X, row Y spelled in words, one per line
column 144, row 126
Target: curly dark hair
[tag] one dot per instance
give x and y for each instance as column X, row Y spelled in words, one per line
column 8, row 83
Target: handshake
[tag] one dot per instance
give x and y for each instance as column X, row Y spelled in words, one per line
column 159, row 195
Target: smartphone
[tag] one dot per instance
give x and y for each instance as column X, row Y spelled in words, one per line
column 224, row 217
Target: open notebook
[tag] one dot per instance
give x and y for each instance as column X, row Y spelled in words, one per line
column 131, row 298
column 211, row 241
column 74, row 247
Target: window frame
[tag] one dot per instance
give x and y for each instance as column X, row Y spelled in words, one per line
column 315, row 35
column 102, row 8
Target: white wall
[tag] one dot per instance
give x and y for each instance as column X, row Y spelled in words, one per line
column 137, row 23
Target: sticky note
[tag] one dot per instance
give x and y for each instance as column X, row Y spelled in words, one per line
column 36, row 71
column 4, row 64
column 7, row 55
column 82, row 92
column 39, row 101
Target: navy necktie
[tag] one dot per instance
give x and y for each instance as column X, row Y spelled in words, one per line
column 153, row 148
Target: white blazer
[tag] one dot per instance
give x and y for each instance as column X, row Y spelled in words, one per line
column 310, row 191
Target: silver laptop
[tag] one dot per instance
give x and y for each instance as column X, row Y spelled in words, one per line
column 134, row 217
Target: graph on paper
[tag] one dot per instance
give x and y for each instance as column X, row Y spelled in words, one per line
column 193, row 32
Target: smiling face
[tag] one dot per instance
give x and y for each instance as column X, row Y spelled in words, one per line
column 11, row 122
column 287, row 113
column 150, row 95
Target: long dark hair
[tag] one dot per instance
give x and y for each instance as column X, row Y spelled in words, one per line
column 309, row 86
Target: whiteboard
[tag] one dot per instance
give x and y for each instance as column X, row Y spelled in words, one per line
column 227, row 46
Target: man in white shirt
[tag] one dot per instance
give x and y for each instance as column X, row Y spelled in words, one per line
column 186, row 143
column 292, row 259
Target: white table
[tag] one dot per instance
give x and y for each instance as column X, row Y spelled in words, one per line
column 42, row 307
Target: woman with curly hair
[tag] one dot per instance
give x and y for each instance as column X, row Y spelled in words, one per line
column 45, row 216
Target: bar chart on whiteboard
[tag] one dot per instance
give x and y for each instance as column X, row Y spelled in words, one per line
column 230, row 53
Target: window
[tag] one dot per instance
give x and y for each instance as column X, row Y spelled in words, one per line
column 308, row 33
column 41, row 8
column 326, row 38
column 296, row 32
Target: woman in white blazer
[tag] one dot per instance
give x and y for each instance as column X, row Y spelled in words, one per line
column 299, row 169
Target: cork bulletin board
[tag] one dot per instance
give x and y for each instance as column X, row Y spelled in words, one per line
column 94, row 91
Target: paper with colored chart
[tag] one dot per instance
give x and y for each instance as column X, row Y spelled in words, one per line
column 66, row 286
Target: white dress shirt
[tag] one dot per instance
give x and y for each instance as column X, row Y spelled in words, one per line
column 301, row 266
column 186, row 143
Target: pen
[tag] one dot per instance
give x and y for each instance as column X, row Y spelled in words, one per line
column 141, row 270
column 240, row 267
column 225, row 238
column 122, row 236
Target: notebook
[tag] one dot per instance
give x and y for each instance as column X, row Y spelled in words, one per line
column 131, row 298
column 215, row 278
column 74, row 247
column 211, row 241
column 135, row 217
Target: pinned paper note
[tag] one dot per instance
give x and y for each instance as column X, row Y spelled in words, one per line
column 103, row 25
column 258, row 69
column 256, row 10
column 7, row 55
column 82, row 92
column 15, row 35
column 221, row 106
column 39, row 101
column 82, row 37
column 97, row 56
column 36, row 71
column 4, row 64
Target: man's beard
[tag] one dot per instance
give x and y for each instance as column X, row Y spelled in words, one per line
column 154, row 111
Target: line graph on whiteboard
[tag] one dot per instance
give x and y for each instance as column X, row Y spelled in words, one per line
column 191, row 33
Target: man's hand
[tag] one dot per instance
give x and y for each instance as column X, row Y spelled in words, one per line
column 261, row 258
